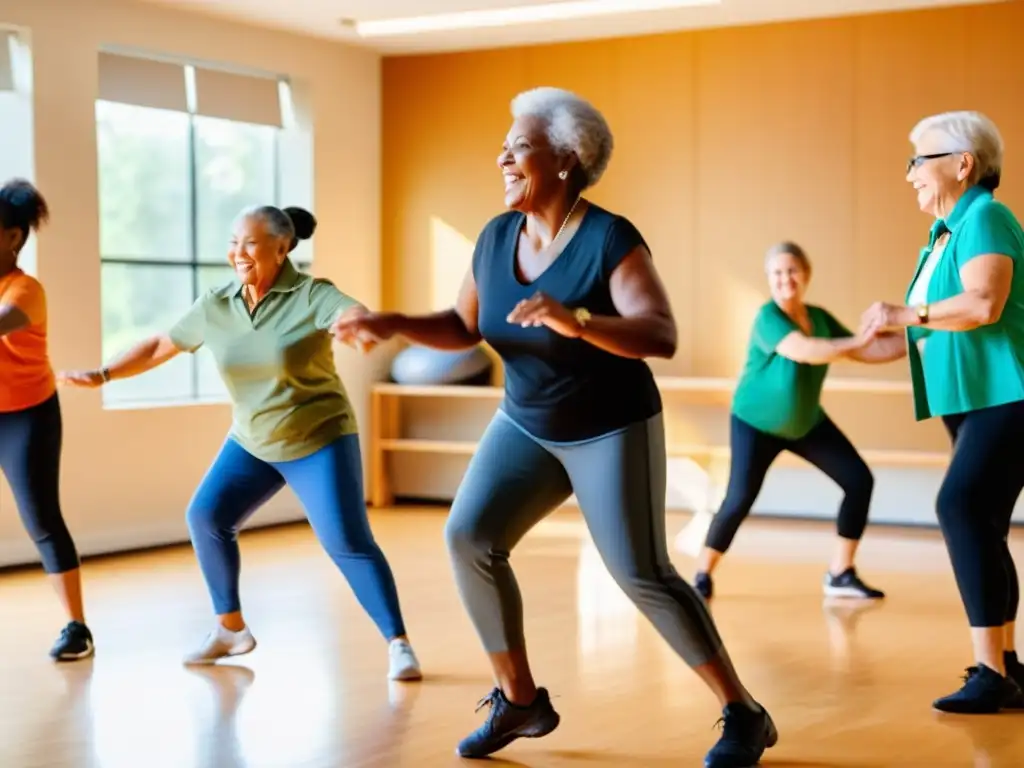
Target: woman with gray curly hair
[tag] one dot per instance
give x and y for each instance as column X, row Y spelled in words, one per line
column 567, row 294
column 962, row 328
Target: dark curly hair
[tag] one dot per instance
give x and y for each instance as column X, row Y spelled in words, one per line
column 22, row 207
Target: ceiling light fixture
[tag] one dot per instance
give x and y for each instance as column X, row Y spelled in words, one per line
column 524, row 14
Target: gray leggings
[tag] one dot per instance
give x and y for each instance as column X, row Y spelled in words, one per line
column 514, row 480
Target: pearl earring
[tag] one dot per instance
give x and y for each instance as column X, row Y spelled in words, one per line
column 563, row 175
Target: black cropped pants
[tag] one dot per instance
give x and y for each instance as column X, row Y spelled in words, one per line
column 30, row 447
column 975, row 504
column 753, row 453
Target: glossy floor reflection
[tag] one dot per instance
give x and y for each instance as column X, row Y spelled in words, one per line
column 848, row 686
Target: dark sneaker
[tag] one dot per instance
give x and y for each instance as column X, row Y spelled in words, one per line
column 75, row 642
column 984, row 692
column 746, row 734
column 848, row 584
column 703, row 584
column 508, row 722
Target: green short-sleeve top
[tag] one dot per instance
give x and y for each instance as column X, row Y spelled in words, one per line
column 960, row 371
column 276, row 361
column 775, row 394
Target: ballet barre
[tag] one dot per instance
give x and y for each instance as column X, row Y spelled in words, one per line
column 386, row 435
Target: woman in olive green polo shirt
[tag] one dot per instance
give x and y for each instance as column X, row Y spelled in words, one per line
column 964, row 325
column 777, row 407
column 293, row 424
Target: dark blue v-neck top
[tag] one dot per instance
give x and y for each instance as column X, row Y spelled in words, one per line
column 557, row 388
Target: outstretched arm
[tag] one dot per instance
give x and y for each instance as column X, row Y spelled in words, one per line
column 144, row 356
column 805, row 349
column 454, row 328
column 884, row 348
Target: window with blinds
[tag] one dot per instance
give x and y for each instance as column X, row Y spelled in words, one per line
column 181, row 149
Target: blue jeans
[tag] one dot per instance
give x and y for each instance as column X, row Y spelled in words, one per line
column 329, row 483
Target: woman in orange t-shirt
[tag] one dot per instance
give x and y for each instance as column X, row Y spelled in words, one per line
column 30, row 419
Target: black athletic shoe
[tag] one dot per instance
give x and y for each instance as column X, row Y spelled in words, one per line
column 848, row 584
column 75, row 642
column 508, row 722
column 746, row 734
column 984, row 692
column 703, row 584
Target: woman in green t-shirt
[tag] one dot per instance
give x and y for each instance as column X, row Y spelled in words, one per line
column 777, row 407
column 964, row 319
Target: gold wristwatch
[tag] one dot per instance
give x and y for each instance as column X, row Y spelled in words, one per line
column 922, row 313
column 582, row 316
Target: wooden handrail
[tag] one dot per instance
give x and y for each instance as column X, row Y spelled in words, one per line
column 665, row 384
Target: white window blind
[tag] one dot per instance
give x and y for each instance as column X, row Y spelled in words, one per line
column 142, row 82
column 242, row 98
column 7, row 42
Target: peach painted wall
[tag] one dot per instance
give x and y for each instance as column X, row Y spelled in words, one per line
column 726, row 141
column 128, row 474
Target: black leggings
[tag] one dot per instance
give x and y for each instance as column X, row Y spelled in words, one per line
column 30, row 445
column 975, row 504
column 753, row 452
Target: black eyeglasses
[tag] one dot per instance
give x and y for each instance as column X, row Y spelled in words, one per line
column 918, row 161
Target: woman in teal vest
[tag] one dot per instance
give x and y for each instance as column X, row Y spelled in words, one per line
column 777, row 407
column 963, row 322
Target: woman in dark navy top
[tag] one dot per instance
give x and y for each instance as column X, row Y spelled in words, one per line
column 568, row 296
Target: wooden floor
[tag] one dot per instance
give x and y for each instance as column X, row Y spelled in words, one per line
column 846, row 688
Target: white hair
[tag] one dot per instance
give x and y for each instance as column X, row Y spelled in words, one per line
column 967, row 132
column 572, row 124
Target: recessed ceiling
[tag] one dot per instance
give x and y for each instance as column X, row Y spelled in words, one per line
column 323, row 18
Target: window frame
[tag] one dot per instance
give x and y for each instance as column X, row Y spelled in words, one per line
column 192, row 262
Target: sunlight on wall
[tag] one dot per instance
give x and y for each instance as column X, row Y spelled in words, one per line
column 742, row 300
column 451, row 254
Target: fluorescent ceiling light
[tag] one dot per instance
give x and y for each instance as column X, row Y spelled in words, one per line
column 524, row 14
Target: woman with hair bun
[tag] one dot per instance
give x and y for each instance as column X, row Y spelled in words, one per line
column 30, row 417
column 269, row 332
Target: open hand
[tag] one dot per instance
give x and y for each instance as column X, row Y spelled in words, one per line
column 881, row 317
column 85, row 379
column 359, row 328
column 540, row 309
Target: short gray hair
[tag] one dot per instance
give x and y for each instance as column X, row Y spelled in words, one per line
column 971, row 132
column 794, row 250
column 572, row 124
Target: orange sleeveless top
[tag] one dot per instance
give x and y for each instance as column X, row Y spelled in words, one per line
column 26, row 377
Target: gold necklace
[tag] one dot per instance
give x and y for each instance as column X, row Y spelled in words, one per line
column 566, row 220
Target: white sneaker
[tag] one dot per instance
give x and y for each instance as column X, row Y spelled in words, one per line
column 403, row 664
column 222, row 643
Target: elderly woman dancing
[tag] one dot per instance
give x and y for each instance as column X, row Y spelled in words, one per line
column 964, row 321
column 293, row 424
column 777, row 407
column 568, row 295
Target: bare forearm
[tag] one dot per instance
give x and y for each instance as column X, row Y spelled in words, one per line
column 441, row 330
column 964, row 312
column 144, row 356
column 634, row 337
column 818, row 351
column 11, row 319
column 882, row 349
